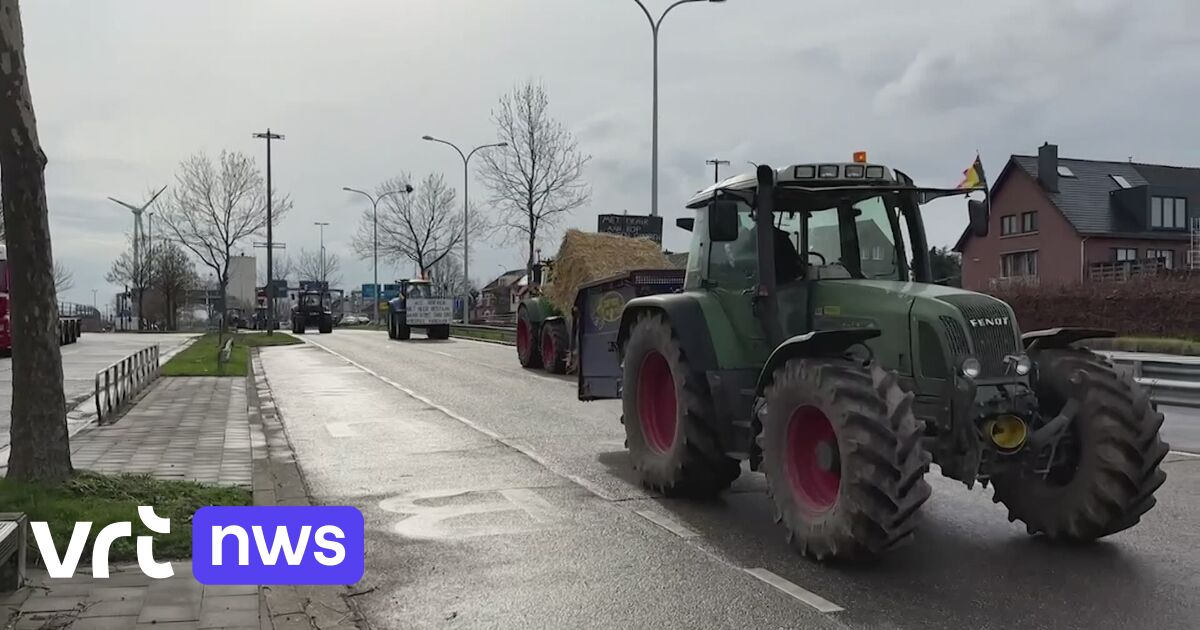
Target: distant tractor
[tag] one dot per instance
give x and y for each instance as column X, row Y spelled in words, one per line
column 419, row 306
column 808, row 339
column 312, row 308
column 542, row 329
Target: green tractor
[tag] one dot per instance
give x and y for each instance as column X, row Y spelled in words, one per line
column 808, row 339
column 313, row 308
column 542, row 329
column 419, row 305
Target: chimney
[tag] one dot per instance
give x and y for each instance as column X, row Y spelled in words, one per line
column 1048, row 166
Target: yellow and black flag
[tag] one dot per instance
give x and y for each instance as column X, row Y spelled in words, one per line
column 973, row 177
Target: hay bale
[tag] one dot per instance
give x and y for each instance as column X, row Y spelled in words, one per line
column 586, row 257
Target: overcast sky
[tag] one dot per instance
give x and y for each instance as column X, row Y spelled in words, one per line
column 125, row 89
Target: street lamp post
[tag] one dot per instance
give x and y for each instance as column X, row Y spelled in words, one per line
column 375, row 233
column 466, row 158
column 268, row 136
column 654, row 27
column 716, row 164
column 322, row 224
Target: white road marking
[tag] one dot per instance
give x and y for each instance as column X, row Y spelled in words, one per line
column 1185, row 454
column 445, row 354
column 808, row 597
column 341, row 429
column 437, row 521
column 513, row 444
column 667, row 523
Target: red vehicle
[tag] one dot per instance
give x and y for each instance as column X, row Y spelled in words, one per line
column 68, row 327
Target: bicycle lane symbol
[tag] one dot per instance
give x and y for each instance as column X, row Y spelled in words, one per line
column 458, row 514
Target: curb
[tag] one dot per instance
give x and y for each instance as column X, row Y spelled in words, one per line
column 278, row 480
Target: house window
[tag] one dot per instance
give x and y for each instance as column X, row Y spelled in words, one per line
column 1018, row 264
column 876, row 252
column 1165, row 255
column 1029, row 222
column 1168, row 213
column 1122, row 254
column 1008, row 225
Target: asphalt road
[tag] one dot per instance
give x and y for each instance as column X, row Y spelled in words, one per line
column 81, row 360
column 495, row 499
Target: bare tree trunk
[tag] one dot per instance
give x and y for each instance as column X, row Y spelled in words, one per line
column 40, row 448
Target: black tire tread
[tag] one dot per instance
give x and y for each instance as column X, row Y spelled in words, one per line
column 699, row 468
column 556, row 330
column 533, row 360
column 1125, row 471
column 883, row 484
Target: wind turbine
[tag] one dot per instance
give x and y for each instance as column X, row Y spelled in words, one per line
column 137, row 235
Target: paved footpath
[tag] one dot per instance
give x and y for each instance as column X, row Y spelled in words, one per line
column 202, row 429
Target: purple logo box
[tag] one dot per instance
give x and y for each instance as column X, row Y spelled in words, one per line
column 265, row 546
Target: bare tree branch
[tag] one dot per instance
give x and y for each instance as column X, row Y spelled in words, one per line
column 538, row 177
column 64, row 279
column 283, row 268
column 309, row 267
column 216, row 206
column 422, row 227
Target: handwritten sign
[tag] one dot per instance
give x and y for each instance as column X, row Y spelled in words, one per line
column 632, row 225
column 429, row 311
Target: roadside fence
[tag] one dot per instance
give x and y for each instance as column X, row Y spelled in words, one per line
column 118, row 383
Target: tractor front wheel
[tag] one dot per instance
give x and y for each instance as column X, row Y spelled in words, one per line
column 843, row 458
column 554, row 346
column 527, row 341
column 1102, row 475
column 669, row 416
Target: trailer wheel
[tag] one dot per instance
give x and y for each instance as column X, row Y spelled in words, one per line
column 1106, row 468
column 669, row 416
column 527, row 341
column 554, row 346
column 843, row 458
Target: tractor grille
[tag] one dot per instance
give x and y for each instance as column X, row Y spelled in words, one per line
column 991, row 326
column 933, row 359
column 958, row 339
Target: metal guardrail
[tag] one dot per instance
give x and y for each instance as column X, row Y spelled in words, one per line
column 1170, row 381
column 118, row 383
column 496, row 334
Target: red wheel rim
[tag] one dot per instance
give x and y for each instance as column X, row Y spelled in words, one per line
column 548, row 349
column 812, row 464
column 656, row 402
column 522, row 337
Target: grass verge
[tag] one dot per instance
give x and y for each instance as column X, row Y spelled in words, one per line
column 104, row 499
column 202, row 358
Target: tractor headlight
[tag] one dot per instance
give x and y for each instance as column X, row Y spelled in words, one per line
column 971, row 368
column 1024, row 365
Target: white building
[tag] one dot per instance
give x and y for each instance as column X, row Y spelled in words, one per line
column 242, row 290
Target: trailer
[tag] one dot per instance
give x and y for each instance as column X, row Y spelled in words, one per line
column 69, row 327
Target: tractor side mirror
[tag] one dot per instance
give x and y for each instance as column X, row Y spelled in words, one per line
column 977, row 213
column 685, row 223
column 723, row 221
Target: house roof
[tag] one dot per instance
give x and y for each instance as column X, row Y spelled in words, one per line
column 508, row 278
column 1084, row 198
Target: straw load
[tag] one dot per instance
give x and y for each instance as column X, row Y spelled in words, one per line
column 586, row 257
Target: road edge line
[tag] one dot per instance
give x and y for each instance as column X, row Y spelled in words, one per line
column 667, row 523
column 820, row 604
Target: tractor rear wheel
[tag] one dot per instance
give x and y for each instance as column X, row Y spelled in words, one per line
column 1104, row 472
column 438, row 332
column 669, row 416
column 843, row 458
column 554, row 346
column 527, row 341
column 391, row 324
column 297, row 326
column 403, row 332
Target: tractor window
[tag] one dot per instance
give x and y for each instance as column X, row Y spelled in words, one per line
column 734, row 265
column 312, row 299
column 876, row 227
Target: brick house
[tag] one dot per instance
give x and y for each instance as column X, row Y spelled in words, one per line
column 1059, row 221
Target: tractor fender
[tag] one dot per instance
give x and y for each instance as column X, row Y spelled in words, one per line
column 818, row 343
column 539, row 309
column 1061, row 337
column 686, row 318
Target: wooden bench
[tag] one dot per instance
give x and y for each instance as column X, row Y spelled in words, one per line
column 13, row 536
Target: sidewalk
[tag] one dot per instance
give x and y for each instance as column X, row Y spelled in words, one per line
column 204, row 429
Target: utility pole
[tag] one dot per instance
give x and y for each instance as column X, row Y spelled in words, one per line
column 716, row 164
column 268, row 136
column 270, row 291
column 324, row 280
